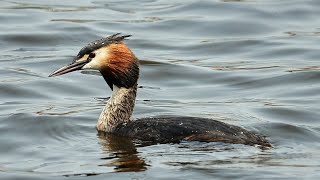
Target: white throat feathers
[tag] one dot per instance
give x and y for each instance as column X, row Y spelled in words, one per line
column 118, row 109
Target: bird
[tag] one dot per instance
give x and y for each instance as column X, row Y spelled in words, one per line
column 120, row 69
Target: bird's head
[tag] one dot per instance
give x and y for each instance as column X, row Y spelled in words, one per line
column 115, row 61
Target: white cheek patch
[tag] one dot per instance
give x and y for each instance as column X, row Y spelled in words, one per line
column 97, row 62
column 91, row 65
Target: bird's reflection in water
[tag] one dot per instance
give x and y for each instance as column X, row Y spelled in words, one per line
column 126, row 158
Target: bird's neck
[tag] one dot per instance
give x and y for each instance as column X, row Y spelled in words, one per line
column 118, row 109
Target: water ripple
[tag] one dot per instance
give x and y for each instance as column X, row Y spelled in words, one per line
column 250, row 63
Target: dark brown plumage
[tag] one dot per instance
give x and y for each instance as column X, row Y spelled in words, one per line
column 120, row 69
column 176, row 129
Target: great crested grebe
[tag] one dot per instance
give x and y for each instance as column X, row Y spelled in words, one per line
column 120, row 69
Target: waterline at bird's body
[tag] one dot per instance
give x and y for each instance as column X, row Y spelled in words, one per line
column 120, row 69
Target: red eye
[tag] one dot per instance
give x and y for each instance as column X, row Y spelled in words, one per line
column 92, row 55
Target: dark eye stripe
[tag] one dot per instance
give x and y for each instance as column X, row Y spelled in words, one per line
column 92, row 55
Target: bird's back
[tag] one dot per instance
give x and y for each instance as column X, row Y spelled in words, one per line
column 175, row 129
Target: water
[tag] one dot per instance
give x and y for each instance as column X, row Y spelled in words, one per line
column 252, row 63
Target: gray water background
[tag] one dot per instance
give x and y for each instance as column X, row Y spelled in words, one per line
column 252, row 63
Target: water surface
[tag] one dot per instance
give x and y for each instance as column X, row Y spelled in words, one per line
column 252, row 63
